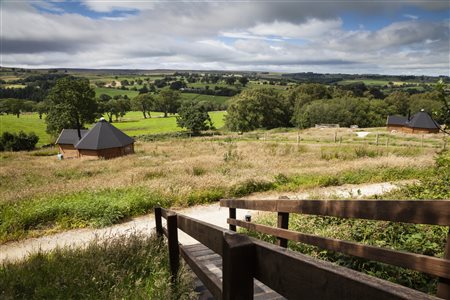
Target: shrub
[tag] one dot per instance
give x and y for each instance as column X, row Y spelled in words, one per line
column 250, row 186
column 18, row 142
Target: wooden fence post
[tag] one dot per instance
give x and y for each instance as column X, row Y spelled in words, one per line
column 443, row 290
column 232, row 216
column 174, row 250
column 238, row 267
column 283, row 222
column 159, row 230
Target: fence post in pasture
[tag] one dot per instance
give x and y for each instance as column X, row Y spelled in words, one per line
column 376, row 139
column 387, row 142
column 283, row 222
column 158, row 223
column 174, row 251
column 238, row 267
column 232, row 216
column 335, row 137
column 443, row 290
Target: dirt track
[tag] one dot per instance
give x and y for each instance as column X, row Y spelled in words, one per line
column 145, row 224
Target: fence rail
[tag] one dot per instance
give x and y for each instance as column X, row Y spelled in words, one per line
column 434, row 212
column 294, row 275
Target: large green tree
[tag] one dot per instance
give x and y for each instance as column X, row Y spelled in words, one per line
column 400, row 100
column 194, row 117
column 40, row 108
column 303, row 94
column 144, row 103
column 257, row 108
column 71, row 104
column 168, row 101
column 346, row 112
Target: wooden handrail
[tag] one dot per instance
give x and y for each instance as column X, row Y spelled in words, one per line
column 294, row 275
column 427, row 264
column 434, row 212
column 209, row 235
column 298, row 276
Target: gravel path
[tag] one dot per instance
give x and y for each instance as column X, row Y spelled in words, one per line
column 145, row 224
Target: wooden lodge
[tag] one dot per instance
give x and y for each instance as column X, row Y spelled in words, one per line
column 101, row 141
column 421, row 122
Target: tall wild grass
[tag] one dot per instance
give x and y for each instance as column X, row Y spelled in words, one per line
column 132, row 267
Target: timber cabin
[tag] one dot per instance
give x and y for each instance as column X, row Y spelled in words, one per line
column 421, row 122
column 101, row 141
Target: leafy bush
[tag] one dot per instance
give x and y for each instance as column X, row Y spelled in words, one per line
column 435, row 186
column 18, row 142
column 250, row 186
column 132, row 267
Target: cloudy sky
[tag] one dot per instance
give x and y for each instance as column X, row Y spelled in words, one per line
column 355, row 36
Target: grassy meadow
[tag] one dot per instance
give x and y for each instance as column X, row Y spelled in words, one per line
column 125, row 267
column 133, row 124
column 41, row 195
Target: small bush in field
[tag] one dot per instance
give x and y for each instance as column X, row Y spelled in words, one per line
column 18, row 142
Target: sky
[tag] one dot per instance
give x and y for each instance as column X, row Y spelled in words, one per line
column 409, row 37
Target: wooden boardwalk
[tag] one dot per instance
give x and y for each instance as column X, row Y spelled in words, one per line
column 213, row 262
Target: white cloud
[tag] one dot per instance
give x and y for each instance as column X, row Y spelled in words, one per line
column 412, row 17
column 105, row 6
column 312, row 28
column 220, row 36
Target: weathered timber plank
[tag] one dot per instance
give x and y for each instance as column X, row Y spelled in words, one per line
column 297, row 276
column 174, row 252
column 158, row 223
column 207, row 234
column 443, row 290
column 282, row 222
column 422, row 263
column 208, row 278
column 165, row 212
column 238, row 266
column 165, row 232
column 232, row 215
column 436, row 212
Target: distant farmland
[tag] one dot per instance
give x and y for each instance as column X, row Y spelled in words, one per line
column 132, row 123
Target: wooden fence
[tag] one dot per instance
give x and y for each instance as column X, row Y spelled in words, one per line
column 294, row 275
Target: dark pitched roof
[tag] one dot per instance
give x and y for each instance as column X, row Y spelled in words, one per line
column 103, row 136
column 70, row 136
column 396, row 120
column 422, row 120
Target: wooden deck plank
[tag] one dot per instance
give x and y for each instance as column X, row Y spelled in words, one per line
column 213, row 262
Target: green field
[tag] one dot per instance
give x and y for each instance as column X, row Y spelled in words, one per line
column 209, row 98
column 28, row 122
column 115, row 92
column 132, row 123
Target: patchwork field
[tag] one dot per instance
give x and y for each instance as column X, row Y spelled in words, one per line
column 133, row 123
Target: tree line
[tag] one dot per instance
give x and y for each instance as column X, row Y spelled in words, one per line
column 313, row 103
